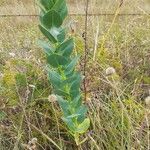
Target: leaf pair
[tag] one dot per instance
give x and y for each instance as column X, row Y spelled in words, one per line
column 54, row 34
column 71, row 120
column 52, row 16
column 69, row 86
column 58, row 5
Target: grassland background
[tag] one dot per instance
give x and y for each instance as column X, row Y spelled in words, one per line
column 109, row 6
column 119, row 116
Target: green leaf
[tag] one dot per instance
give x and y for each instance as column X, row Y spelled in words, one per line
column 52, row 19
column 71, row 66
column 61, row 8
column 82, row 110
column 66, row 48
column 61, row 92
column 47, row 34
column 58, row 33
column 69, row 123
column 76, row 102
column 55, row 78
column 56, row 60
column 64, row 105
column 71, row 77
column 54, row 34
column 46, row 4
column 71, row 82
column 75, row 87
column 61, row 35
column 49, row 49
column 83, row 127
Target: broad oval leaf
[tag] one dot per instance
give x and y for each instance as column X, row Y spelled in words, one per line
column 83, row 127
column 47, row 34
column 56, row 60
column 66, row 47
column 61, row 8
column 52, row 19
column 55, row 78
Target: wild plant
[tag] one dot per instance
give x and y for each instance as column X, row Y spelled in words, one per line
column 64, row 77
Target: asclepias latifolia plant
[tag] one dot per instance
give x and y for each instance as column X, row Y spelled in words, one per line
column 61, row 63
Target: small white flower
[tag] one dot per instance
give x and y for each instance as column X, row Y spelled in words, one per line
column 12, row 54
column 52, row 98
column 147, row 101
column 110, row 71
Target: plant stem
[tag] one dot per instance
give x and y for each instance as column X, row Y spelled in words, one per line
column 85, row 47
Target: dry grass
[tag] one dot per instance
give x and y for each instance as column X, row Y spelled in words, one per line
column 76, row 6
column 119, row 117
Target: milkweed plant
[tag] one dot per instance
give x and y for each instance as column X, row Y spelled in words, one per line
column 61, row 63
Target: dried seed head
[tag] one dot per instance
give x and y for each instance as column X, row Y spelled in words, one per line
column 73, row 26
column 32, row 86
column 32, row 144
column 52, row 98
column 147, row 101
column 110, row 71
column 31, row 147
column 34, row 140
column 2, row 106
column 12, row 54
column 1, row 74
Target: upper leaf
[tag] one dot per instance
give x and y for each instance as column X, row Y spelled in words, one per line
column 54, row 34
column 57, row 60
column 47, row 34
column 66, row 47
column 52, row 19
column 46, row 4
column 61, row 8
